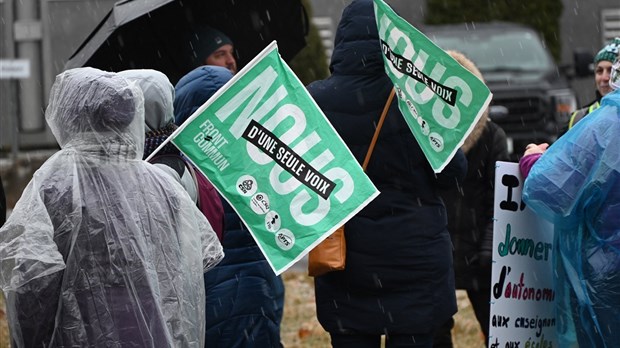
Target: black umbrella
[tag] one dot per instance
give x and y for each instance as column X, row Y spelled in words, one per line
column 164, row 34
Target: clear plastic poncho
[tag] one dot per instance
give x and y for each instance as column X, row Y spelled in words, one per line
column 104, row 249
column 576, row 185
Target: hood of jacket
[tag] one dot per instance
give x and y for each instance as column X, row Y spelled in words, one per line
column 97, row 111
column 158, row 108
column 158, row 97
column 196, row 87
column 357, row 47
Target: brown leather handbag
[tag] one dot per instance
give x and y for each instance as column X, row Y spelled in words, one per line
column 330, row 255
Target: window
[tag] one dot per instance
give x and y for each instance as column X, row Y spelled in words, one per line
column 610, row 27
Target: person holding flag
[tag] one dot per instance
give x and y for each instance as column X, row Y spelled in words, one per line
column 158, row 125
column 398, row 280
column 244, row 298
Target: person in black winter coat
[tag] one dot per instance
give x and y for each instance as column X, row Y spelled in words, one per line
column 470, row 214
column 398, row 280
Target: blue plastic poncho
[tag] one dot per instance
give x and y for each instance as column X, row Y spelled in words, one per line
column 104, row 249
column 576, row 185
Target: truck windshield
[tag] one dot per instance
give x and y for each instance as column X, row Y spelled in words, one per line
column 498, row 50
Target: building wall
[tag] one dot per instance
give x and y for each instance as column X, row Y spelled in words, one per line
column 581, row 28
column 46, row 32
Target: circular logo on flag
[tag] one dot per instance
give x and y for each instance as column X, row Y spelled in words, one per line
column 246, row 185
column 285, row 239
column 436, row 141
column 272, row 221
column 260, row 203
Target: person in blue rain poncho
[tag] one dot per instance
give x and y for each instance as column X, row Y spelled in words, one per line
column 576, row 185
column 104, row 249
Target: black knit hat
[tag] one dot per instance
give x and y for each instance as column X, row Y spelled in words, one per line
column 208, row 41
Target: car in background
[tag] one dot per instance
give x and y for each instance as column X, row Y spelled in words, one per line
column 532, row 100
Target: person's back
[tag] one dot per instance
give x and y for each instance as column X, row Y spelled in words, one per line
column 398, row 278
column 159, row 125
column 112, row 251
column 245, row 299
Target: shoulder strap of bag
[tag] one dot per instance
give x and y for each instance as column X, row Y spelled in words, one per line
column 379, row 125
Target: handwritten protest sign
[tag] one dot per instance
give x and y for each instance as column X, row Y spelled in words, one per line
column 440, row 100
column 522, row 293
column 269, row 150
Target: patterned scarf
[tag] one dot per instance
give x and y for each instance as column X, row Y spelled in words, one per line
column 155, row 138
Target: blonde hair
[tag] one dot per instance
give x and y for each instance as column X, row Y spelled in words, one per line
column 466, row 63
column 479, row 128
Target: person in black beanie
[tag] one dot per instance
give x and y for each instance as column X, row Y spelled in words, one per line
column 215, row 48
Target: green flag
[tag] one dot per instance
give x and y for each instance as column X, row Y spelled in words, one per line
column 440, row 100
column 269, row 150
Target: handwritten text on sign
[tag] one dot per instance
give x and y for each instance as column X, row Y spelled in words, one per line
column 522, row 295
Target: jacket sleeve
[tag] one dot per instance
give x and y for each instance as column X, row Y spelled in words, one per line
column 212, row 251
column 27, row 247
column 30, row 270
column 527, row 162
column 573, row 165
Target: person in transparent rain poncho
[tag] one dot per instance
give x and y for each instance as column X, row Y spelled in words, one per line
column 104, row 249
column 576, row 185
column 159, row 125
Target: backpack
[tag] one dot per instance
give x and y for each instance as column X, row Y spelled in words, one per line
column 208, row 200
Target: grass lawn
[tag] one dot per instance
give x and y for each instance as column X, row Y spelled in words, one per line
column 301, row 329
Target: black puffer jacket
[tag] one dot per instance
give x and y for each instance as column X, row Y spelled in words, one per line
column 399, row 275
column 470, row 206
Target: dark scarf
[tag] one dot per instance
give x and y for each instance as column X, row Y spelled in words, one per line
column 155, row 138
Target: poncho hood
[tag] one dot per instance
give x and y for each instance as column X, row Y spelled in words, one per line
column 158, row 97
column 97, row 111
